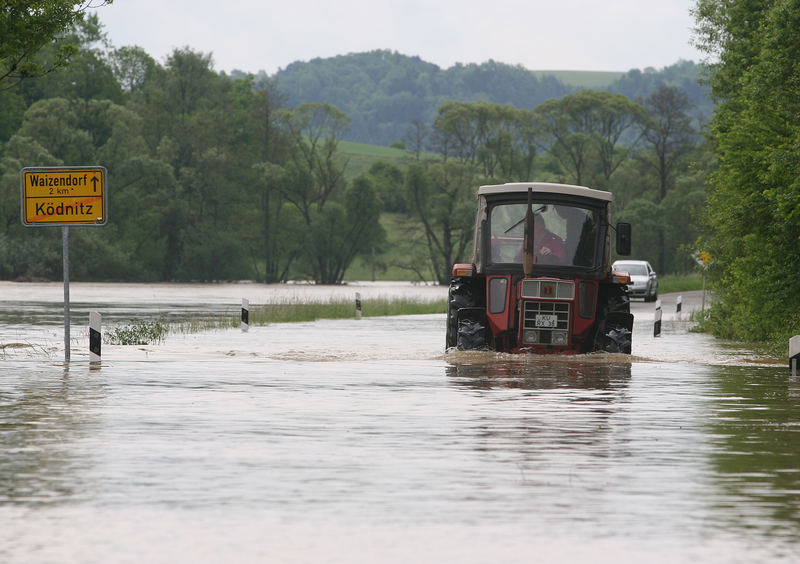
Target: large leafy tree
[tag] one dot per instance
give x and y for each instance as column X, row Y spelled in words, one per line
column 500, row 140
column 29, row 25
column 667, row 144
column 339, row 221
column 753, row 216
column 586, row 132
column 442, row 197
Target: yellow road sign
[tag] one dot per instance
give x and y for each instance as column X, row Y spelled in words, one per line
column 63, row 195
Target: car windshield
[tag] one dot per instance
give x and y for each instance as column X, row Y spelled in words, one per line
column 632, row 268
column 563, row 235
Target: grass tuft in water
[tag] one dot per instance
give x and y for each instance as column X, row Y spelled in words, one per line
column 140, row 332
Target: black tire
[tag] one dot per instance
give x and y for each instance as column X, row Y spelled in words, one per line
column 461, row 295
column 615, row 339
column 615, row 322
column 472, row 335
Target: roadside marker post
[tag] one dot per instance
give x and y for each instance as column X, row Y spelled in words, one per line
column 358, row 305
column 245, row 315
column 678, row 305
column 95, row 336
column 657, row 323
column 794, row 354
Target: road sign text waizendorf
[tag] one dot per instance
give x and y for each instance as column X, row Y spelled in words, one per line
column 63, row 195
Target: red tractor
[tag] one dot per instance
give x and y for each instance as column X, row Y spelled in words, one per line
column 540, row 280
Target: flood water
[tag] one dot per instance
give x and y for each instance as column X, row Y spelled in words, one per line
column 360, row 440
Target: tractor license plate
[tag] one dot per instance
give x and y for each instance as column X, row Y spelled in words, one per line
column 547, row 321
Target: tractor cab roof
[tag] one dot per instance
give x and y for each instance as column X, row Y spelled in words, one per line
column 545, row 187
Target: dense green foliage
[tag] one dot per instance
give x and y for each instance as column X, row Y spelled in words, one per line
column 753, row 217
column 209, row 178
column 30, row 25
column 214, row 177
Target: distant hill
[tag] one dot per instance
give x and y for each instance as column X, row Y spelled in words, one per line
column 384, row 92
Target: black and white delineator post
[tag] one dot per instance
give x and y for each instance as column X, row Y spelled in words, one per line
column 245, row 314
column 95, row 336
column 794, row 355
column 657, row 323
column 358, row 305
column 678, row 305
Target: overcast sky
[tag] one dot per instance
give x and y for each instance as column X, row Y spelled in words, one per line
column 253, row 35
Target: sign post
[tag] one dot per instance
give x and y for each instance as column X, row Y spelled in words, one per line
column 65, row 247
column 73, row 195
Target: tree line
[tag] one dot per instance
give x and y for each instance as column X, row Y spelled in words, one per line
column 217, row 178
column 384, row 91
column 751, row 227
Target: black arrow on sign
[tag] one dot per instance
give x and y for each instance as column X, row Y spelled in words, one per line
column 94, row 183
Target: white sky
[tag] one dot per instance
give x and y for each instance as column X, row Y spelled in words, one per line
column 253, row 35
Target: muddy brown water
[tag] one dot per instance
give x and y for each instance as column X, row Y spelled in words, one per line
column 361, row 440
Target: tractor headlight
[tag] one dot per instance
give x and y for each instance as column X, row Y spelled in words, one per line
column 530, row 336
column 560, row 337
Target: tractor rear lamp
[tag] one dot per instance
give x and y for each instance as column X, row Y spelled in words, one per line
column 587, row 300
column 462, row 270
column 620, row 277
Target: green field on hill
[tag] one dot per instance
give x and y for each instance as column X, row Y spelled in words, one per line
column 583, row 79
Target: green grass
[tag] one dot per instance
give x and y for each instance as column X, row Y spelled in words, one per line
column 292, row 312
column 149, row 332
column 679, row 283
column 583, row 79
column 140, row 332
column 360, row 156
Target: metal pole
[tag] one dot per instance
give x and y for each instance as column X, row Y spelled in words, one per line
column 65, row 244
column 703, row 307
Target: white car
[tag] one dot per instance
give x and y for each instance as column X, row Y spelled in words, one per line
column 644, row 281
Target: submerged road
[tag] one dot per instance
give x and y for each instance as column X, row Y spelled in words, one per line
column 360, row 440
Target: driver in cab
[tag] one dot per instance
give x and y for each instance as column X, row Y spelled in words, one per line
column 549, row 246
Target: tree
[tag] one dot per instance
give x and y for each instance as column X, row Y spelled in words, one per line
column 565, row 121
column 314, row 133
column 586, row 130
column 442, row 198
column 343, row 230
column 30, row 25
column 670, row 138
column 753, row 217
column 670, row 135
column 131, row 67
column 416, row 138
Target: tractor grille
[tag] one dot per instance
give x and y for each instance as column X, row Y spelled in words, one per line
column 545, row 322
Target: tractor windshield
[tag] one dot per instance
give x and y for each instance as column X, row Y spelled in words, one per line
column 563, row 235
